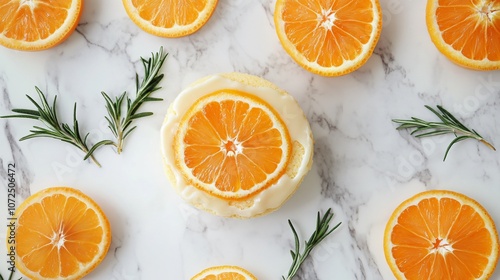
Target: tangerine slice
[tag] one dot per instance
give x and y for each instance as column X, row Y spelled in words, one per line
column 466, row 32
column 330, row 38
column 170, row 18
column 232, row 144
column 61, row 234
column 224, row 272
column 441, row 235
column 37, row 24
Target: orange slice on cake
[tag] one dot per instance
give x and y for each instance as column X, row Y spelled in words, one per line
column 236, row 145
column 232, row 144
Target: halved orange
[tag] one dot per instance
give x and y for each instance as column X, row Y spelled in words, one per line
column 61, row 234
column 466, row 31
column 37, row 24
column 170, row 18
column 224, row 272
column 326, row 37
column 441, row 235
column 232, row 144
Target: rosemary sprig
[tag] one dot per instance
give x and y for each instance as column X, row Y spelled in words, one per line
column 47, row 114
column 449, row 124
column 322, row 226
column 119, row 120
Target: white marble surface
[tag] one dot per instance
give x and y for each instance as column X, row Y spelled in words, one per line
column 363, row 168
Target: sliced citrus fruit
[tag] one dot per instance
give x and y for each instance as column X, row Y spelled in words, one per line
column 37, row 24
column 236, row 145
column 466, row 31
column 170, row 18
column 329, row 38
column 232, row 144
column 441, row 235
column 61, row 234
column 224, row 272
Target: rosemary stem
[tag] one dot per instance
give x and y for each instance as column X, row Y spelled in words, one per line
column 119, row 146
column 86, row 150
column 488, row 144
column 119, row 138
column 95, row 161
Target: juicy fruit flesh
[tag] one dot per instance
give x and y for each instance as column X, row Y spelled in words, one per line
column 471, row 27
column 233, row 144
column 431, row 245
column 180, row 12
column 225, row 276
column 59, row 234
column 32, row 20
column 328, row 32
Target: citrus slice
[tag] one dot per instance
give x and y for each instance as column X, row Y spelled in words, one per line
column 232, row 144
column 37, row 24
column 467, row 32
column 236, row 145
column 224, row 272
column 61, row 234
column 170, row 18
column 329, row 38
column 441, row 235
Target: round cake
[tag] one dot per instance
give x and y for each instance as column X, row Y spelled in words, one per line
column 236, row 145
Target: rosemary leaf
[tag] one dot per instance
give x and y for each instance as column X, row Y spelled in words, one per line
column 449, row 125
column 97, row 145
column 26, row 112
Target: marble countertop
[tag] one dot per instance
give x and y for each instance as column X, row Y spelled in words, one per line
column 363, row 167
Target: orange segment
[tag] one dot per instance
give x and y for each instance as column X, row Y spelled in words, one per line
column 441, row 235
column 61, row 233
column 232, row 144
column 329, row 38
column 224, row 272
column 467, row 32
column 170, row 18
column 37, row 24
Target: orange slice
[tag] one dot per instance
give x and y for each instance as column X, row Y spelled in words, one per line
column 441, row 235
column 329, row 38
column 466, row 31
column 37, row 24
column 170, row 18
column 232, row 144
column 61, row 234
column 224, row 272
